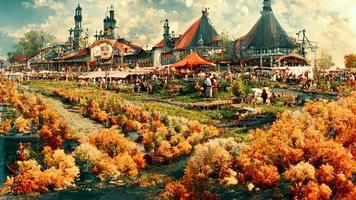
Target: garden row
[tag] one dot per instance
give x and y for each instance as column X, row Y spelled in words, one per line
column 106, row 153
column 311, row 152
column 164, row 137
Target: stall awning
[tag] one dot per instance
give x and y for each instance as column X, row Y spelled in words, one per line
column 112, row 74
column 191, row 61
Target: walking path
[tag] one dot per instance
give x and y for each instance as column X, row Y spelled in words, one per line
column 76, row 121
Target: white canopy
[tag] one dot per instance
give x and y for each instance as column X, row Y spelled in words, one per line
column 112, row 74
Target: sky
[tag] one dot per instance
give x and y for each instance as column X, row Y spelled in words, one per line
column 332, row 23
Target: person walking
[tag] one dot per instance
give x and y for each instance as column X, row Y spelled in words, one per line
column 215, row 86
column 264, row 96
column 208, row 84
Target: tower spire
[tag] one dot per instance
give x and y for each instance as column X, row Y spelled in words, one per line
column 166, row 34
column 267, row 5
column 76, row 32
column 109, row 24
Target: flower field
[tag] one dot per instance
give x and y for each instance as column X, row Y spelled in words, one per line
column 312, row 151
column 305, row 154
column 107, row 152
column 163, row 136
column 72, row 91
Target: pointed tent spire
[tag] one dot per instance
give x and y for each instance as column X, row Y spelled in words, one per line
column 205, row 12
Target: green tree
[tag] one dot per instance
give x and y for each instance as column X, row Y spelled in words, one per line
column 239, row 89
column 325, row 61
column 350, row 61
column 31, row 42
column 228, row 46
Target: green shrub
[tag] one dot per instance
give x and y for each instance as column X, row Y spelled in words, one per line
column 239, row 89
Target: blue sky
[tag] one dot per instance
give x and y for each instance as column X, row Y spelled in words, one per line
column 329, row 22
column 15, row 13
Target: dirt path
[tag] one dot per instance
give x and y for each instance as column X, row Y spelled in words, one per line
column 76, row 121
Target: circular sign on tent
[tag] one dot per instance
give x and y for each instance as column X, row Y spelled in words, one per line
column 102, row 51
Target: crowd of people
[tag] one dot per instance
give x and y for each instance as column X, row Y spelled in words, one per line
column 210, row 86
column 205, row 82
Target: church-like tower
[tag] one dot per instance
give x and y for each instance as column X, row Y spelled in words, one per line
column 109, row 26
column 77, row 31
column 166, row 34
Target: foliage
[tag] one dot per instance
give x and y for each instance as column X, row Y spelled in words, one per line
column 72, row 98
column 300, row 172
column 115, row 101
column 228, row 47
column 288, row 99
column 325, row 61
column 323, row 85
column 32, row 42
column 239, row 89
column 23, row 125
column 111, row 153
column 312, row 150
column 5, row 127
column 314, row 191
column 213, row 159
column 170, row 137
column 350, row 61
column 60, row 172
column 34, row 114
column 338, row 120
column 95, row 112
column 53, row 131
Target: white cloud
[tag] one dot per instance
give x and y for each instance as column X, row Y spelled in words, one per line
column 26, row 4
column 189, row 3
column 53, row 4
column 331, row 23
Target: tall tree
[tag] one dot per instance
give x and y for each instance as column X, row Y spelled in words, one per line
column 350, row 61
column 325, row 61
column 31, row 42
column 228, row 46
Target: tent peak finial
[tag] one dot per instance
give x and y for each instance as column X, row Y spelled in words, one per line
column 205, row 11
column 267, row 5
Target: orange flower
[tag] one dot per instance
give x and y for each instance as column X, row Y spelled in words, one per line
column 22, row 125
column 6, row 126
